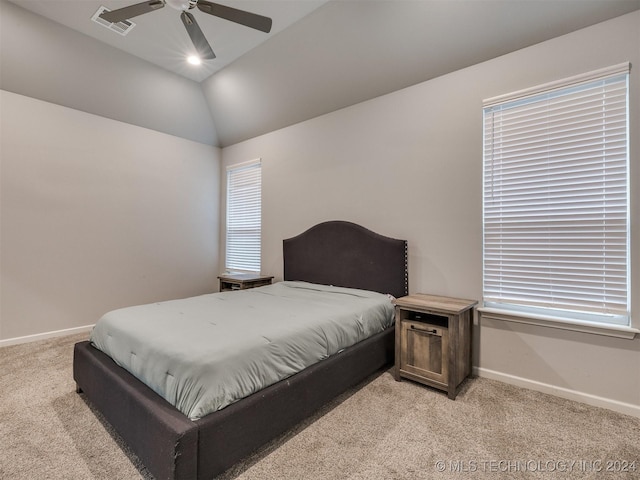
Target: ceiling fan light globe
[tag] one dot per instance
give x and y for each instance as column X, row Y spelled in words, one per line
column 194, row 60
column 181, row 5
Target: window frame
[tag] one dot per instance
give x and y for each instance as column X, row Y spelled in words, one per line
column 548, row 319
column 253, row 263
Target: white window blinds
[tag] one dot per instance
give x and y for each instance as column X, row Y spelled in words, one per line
column 244, row 208
column 556, row 200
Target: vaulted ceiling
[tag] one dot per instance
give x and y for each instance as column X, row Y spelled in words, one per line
column 160, row 37
column 321, row 55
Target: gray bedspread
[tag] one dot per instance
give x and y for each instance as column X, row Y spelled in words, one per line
column 204, row 353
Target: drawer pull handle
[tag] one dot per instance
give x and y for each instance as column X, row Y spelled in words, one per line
column 430, row 332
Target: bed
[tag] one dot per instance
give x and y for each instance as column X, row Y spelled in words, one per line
column 172, row 446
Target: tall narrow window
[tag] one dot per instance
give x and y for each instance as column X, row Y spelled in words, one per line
column 244, row 202
column 556, row 200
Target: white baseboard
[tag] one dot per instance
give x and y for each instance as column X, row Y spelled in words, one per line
column 44, row 336
column 594, row 400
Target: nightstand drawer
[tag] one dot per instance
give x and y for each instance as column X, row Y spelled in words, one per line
column 425, row 350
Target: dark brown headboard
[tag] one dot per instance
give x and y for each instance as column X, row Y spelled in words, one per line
column 347, row 255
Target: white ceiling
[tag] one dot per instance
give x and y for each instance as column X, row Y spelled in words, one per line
column 349, row 51
column 320, row 56
column 160, row 38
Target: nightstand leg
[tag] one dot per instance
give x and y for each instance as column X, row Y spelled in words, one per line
column 453, row 373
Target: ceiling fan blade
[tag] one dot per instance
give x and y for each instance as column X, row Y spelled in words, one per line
column 131, row 11
column 242, row 17
column 197, row 37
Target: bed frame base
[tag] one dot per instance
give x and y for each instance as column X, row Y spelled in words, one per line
column 173, row 447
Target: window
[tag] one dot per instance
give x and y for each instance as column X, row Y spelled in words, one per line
column 556, row 200
column 244, row 202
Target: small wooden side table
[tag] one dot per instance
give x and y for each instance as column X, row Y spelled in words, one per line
column 242, row 281
column 433, row 340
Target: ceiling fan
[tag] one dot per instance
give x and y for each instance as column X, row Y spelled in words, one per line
column 242, row 17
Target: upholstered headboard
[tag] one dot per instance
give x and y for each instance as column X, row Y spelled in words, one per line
column 347, row 255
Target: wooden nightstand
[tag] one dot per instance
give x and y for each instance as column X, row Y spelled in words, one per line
column 433, row 340
column 242, row 281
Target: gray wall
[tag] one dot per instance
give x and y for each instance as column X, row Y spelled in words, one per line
column 86, row 226
column 108, row 203
column 409, row 165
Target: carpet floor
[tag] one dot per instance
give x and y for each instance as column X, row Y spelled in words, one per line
column 380, row 430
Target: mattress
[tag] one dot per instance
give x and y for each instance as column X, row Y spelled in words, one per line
column 204, row 353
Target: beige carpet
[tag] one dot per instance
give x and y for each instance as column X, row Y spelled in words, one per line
column 382, row 430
